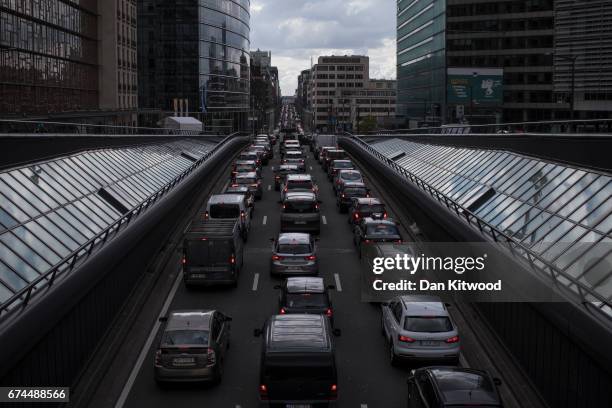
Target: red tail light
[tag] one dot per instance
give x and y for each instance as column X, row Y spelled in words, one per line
column 242, row 215
column 333, row 391
column 385, row 215
column 283, row 311
column 277, row 258
column 184, row 260
column 405, row 339
column 329, row 312
column 255, row 185
column 366, row 241
column 454, row 339
column 310, row 258
column 263, row 391
column 206, row 215
column 277, row 177
column 285, row 190
column 232, row 259
column 211, row 357
column 343, row 195
column 234, row 185
column 356, row 216
column 158, row 358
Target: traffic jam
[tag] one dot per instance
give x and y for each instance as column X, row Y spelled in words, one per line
column 297, row 345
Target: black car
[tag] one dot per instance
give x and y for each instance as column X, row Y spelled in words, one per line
column 369, row 230
column 352, row 189
column 438, row 387
column 305, row 295
column 281, row 172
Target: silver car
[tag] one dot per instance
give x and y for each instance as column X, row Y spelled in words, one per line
column 192, row 346
column 344, row 176
column 300, row 213
column 419, row 328
column 294, row 254
column 251, row 181
column 298, row 183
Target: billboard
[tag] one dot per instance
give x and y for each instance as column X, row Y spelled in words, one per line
column 484, row 85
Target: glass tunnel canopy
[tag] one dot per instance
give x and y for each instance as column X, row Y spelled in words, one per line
column 559, row 212
column 50, row 209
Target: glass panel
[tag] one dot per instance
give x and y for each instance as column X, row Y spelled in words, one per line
column 130, row 187
column 507, row 171
column 561, row 230
column 62, row 176
column 526, row 179
column 5, row 293
column 495, row 211
column 41, row 235
column 569, row 188
column 57, row 233
column 566, row 255
column 505, row 212
column 5, row 218
column 525, row 224
column 110, row 211
column 14, row 262
column 107, row 219
column 598, row 214
column 504, row 224
column 76, row 174
column 535, row 182
column 127, row 199
column 29, row 189
column 518, row 175
column 103, row 167
column 580, row 193
column 593, row 202
column 14, row 281
column 72, row 220
column 499, row 166
column 606, row 225
column 546, row 184
column 542, row 230
column 96, row 173
column 44, row 180
column 493, row 202
column 85, row 172
column 75, row 232
column 90, row 213
column 33, row 206
column 26, row 253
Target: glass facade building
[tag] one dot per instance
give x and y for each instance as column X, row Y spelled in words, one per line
column 196, row 50
column 48, row 56
column 421, row 54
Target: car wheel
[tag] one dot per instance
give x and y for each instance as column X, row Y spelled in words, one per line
column 392, row 356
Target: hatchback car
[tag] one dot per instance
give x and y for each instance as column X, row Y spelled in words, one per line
column 251, row 181
column 250, row 155
column 337, row 165
column 333, row 154
column 294, row 154
column 300, row 213
column 300, row 183
column 368, row 231
column 351, row 190
column 343, row 176
column 245, row 166
column 244, row 190
column 281, row 172
column 307, row 295
column 296, row 162
column 366, row 207
column 419, row 328
column 262, row 154
column 323, row 152
column 294, row 254
column 193, row 346
column 439, row 387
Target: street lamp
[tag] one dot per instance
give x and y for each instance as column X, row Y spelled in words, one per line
column 474, row 75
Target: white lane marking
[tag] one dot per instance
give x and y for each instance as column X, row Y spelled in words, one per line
column 255, row 281
column 338, row 285
column 324, row 220
column 364, row 405
column 265, row 219
column 269, row 187
column 143, row 353
column 310, row 167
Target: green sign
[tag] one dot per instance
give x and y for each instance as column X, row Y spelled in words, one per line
column 477, row 85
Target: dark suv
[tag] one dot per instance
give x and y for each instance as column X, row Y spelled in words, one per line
column 305, row 295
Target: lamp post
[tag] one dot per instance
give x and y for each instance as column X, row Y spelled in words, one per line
column 474, row 75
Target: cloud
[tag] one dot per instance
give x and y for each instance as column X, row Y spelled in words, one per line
column 295, row 30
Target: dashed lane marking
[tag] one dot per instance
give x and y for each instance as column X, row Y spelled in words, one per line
column 269, row 187
column 324, row 220
column 265, row 219
column 255, row 281
column 338, row 285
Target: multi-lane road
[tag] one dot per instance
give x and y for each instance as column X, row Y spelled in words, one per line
column 365, row 376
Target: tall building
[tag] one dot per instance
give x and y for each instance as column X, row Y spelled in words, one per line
column 262, row 58
column 583, row 42
column 194, row 56
column 378, row 101
column 265, row 90
column 476, row 61
column 68, row 61
column 329, row 76
column 303, row 90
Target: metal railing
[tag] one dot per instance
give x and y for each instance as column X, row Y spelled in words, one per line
column 83, row 252
column 589, row 126
column 537, row 263
column 12, row 126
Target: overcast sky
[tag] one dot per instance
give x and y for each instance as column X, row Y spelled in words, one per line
column 295, row 30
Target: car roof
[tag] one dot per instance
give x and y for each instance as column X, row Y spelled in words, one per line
column 341, row 161
column 249, row 174
column 370, row 220
column 293, row 152
column 189, row 320
column 234, row 188
column 348, row 171
column 253, row 162
column 368, row 200
column 305, row 284
column 288, row 166
column 294, row 238
column 226, row 199
column 349, row 184
column 459, row 385
column 300, row 195
column 299, row 177
column 298, row 331
column 423, row 305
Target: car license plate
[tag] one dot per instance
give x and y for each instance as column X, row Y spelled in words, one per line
column 298, row 406
column 293, row 269
column 429, row 343
column 197, row 275
column 180, row 361
column 300, row 222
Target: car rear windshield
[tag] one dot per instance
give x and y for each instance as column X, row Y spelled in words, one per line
column 355, row 191
column 299, row 206
column 224, row 211
column 463, row 381
column 180, row 337
column 382, row 230
column 208, row 252
column 350, row 176
column 245, row 167
column 318, row 300
column 248, row 156
column 343, row 165
column 299, row 372
column 336, row 155
column 372, row 208
column 428, row 324
column 293, row 249
column 246, row 180
column 299, row 184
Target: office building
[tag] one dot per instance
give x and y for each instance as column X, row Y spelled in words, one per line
column 303, row 89
column 476, row 62
column 70, row 62
column 378, row 101
column 265, row 91
column 583, row 44
column 194, row 57
column 262, row 58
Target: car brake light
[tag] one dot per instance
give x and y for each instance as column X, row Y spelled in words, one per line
column 184, row 260
column 283, row 311
column 405, row 339
column 263, row 391
column 399, row 241
column 454, row 339
column 277, row 177
column 158, row 358
column 385, row 215
column 343, row 195
column 333, row 391
column 211, row 357
column 255, row 185
column 232, row 259
column 311, row 258
column 356, row 216
column 329, row 312
column 234, row 185
column 206, row 215
column 242, row 215
column 277, row 258
column 366, row 241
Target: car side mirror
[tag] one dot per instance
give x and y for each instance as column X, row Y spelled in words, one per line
column 337, row 332
column 277, row 286
column 163, row 319
column 331, row 287
column 257, row 332
column 497, row 381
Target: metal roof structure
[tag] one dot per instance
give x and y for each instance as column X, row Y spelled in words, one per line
column 50, row 210
column 559, row 213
